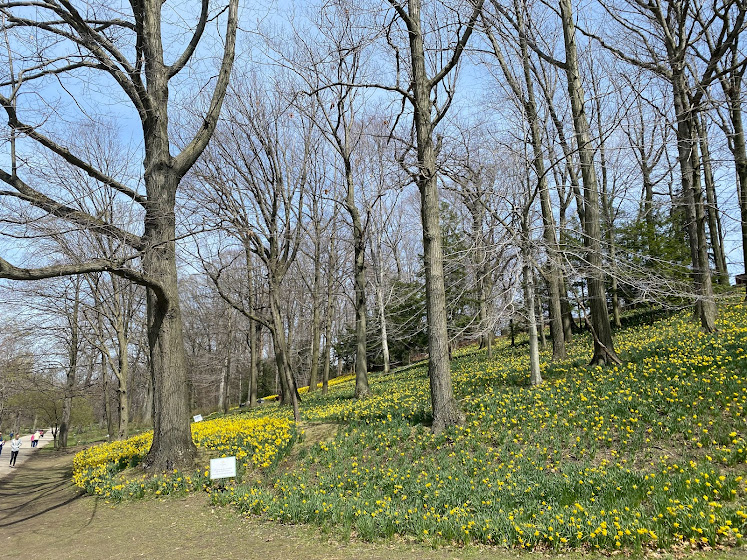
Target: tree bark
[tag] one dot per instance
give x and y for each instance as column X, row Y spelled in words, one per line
column 172, row 438
column 362, row 390
column 712, row 211
column 446, row 410
column 604, row 351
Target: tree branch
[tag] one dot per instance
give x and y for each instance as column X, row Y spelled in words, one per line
column 175, row 68
column 65, row 154
column 11, row 272
column 459, row 48
column 189, row 155
column 86, row 221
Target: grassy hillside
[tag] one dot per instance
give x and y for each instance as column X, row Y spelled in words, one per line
column 648, row 454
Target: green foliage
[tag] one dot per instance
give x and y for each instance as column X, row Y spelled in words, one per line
column 462, row 302
column 406, row 311
column 657, row 250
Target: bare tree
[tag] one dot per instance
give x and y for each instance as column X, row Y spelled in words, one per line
column 526, row 97
column 663, row 38
column 256, row 179
column 332, row 77
column 427, row 112
column 127, row 51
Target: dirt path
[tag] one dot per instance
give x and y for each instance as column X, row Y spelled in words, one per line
column 42, row 516
column 25, row 452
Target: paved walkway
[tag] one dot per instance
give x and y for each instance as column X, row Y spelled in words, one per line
column 25, row 452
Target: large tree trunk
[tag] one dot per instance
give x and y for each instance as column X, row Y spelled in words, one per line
column 446, row 410
column 604, row 351
column 172, row 440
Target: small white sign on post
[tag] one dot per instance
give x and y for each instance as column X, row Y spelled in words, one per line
column 197, row 417
column 225, row 467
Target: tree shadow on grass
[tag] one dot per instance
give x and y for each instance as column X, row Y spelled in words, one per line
column 35, row 489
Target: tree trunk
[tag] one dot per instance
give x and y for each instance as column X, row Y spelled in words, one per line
column 382, row 318
column 72, row 368
column 290, row 390
column 316, row 318
column 604, row 351
column 567, row 310
column 172, row 440
column 225, row 378
column 362, row 389
column 714, row 218
column 480, row 262
column 548, row 219
column 122, row 373
column 539, row 317
column 254, row 329
column 446, row 410
column 535, row 376
column 105, row 396
column 332, row 260
column 705, row 307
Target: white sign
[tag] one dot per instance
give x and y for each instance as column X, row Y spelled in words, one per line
column 225, row 467
column 197, row 417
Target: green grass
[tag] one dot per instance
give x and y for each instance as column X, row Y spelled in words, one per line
column 650, row 454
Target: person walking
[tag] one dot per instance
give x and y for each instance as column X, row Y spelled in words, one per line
column 15, row 447
column 2, row 442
